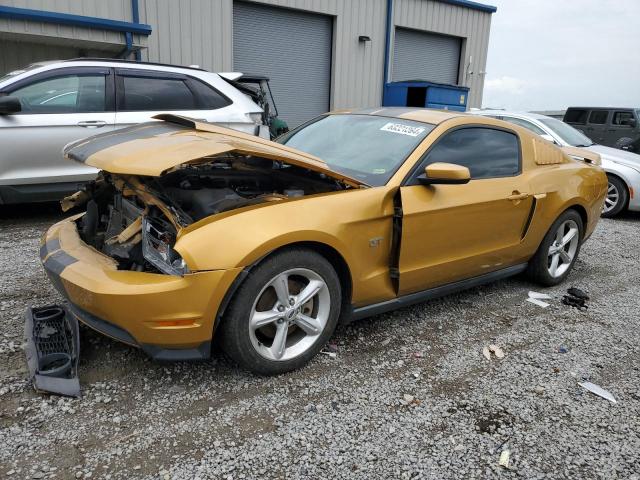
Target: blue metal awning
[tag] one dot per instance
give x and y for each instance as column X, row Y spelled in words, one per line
column 74, row 20
column 473, row 5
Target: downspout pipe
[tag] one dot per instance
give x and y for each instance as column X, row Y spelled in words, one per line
column 135, row 17
column 387, row 46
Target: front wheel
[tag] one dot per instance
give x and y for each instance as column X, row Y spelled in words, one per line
column 558, row 251
column 616, row 199
column 283, row 314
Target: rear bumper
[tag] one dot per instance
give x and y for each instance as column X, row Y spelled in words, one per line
column 169, row 317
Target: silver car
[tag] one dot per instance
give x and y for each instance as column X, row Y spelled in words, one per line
column 47, row 105
column 623, row 168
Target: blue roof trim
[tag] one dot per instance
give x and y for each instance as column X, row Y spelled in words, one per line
column 474, row 5
column 73, row 20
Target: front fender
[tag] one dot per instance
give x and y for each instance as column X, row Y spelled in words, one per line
column 355, row 223
column 630, row 176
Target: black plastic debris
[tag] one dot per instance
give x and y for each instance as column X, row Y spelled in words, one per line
column 53, row 348
column 576, row 298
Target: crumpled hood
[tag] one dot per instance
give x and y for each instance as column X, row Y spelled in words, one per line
column 154, row 148
column 616, row 155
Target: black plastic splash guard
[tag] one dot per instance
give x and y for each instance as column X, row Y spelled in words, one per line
column 53, row 349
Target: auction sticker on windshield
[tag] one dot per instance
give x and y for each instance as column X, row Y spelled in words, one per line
column 402, row 129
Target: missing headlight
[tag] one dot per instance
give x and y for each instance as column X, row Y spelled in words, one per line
column 157, row 247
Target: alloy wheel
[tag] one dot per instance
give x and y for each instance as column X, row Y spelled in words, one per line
column 289, row 314
column 612, row 198
column 562, row 251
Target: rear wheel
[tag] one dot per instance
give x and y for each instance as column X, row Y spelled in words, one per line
column 558, row 251
column 617, row 197
column 283, row 314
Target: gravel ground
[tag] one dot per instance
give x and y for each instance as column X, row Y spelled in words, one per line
column 409, row 394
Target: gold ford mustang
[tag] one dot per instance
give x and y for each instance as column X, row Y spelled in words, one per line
column 193, row 231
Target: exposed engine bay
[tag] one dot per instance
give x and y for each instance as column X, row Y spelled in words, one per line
column 136, row 219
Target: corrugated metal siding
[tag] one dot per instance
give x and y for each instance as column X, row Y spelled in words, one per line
column 200, row 32
column 357, row 67
column 301, row 85
column 113, row 9
column 472, row 25
column 419, row 55
column 189, row 32
column 14, row 55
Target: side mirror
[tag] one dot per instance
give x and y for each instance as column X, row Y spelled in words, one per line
column 632, row 122
column 549, row 138
column 445, row 174
column 9, row 105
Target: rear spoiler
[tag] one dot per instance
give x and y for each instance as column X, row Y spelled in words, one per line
column 252, row 93
column 583, row 155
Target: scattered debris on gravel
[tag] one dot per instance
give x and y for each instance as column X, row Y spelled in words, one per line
column 404, row 394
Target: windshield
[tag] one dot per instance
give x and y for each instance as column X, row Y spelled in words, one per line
column 567, row 133
column 365, row 147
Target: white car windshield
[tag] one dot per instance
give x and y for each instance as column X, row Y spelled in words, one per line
column 567, row 133
column 366, row 147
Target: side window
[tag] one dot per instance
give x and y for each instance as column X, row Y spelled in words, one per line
column 486, row 152
column 598, row 117
column 207, row 97
column 63, row 94
column 574, row 115
column 146, row 93
column 524, row 123
column 623, row 119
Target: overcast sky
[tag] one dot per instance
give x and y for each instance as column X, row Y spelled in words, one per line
column 551, row 54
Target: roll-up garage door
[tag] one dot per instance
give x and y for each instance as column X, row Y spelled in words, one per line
column 425, row 56
column 293, row 49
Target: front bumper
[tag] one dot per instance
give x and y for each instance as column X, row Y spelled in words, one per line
column 630, row 176
column 169, row 317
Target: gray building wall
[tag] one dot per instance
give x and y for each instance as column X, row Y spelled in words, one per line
column 23, row 42
column 471, row 25
column 199, row 32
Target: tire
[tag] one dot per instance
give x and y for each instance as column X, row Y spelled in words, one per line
column 541, row 267
column 268, row 337
column 616, row 199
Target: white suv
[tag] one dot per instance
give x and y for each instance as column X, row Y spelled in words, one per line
column 47, row 105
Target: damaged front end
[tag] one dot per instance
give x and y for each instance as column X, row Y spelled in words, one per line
column 119, row 223
column 136, row 214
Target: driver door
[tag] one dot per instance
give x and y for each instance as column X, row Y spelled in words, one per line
column 58, row 107
column 453, row 232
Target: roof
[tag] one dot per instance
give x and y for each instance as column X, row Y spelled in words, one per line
column 425, row 115
column 473, row 5
column 125, row 61
column 603, row 108
column 537, row 116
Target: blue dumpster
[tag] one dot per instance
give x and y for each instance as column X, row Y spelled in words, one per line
column 420, row 93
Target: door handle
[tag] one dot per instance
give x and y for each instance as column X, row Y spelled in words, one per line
column 517, row 196
column 92, row 123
